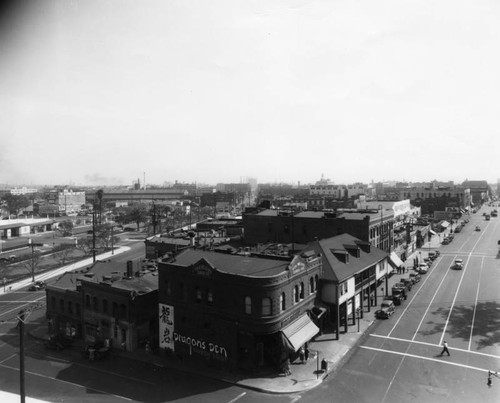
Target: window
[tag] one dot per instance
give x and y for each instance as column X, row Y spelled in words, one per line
column 316, row 282
column 269, row 227
column 77, row 309
column 115, row 310
column 198, row 295
column 70, row 307
column 248, row 305
column 95, row 305
column 266, row 306
column 87, row 301
column 61, row 305
column 286, row 229
column 311, row 285
column 343, row 288
column 168, row 288
column 105, row 305
column 53, row 303
column 210, row 297
column 123, row 311
column 282, row 302
column 296, row 294
column 301, row 294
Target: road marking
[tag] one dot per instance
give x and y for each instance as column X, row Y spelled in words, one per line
column 475, row 303
column 67, row 382
column 22, row 305
column 238, row 397
column 458, row 289
column 8, row 358
column 434, row 345
column 426, row 358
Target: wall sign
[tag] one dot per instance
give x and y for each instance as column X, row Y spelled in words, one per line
column 166, row 326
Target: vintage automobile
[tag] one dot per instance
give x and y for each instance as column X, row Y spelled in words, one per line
column 386, row 309
column 415, row 276
column 58, row 342
column 458, row 264
column 422, row 268
column 37, row 286
column 478, row 228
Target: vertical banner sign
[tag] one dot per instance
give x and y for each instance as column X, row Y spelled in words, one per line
column 166, row 320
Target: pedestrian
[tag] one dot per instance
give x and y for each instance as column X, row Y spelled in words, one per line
column 286, row 367
column 306, row 353
column 445, row 348
column 302, row 355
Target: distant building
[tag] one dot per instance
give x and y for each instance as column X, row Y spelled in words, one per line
column 22, row 191
column 66, row 200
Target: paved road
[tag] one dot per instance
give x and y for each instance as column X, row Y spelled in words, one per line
column 400, row 361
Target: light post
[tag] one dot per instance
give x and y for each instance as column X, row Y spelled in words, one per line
column 32, row 245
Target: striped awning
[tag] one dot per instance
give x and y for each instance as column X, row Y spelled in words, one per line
column 299, row 332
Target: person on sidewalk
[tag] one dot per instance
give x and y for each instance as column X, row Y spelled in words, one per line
column 445, row 348
column 306, row 353
column 302, row 355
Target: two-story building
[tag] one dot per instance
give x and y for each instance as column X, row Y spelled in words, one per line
column 236, row 311
column 105, row 301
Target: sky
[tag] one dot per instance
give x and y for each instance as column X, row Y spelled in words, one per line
column 102, row 92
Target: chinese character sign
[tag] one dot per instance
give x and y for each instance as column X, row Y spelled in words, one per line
column 166, row 320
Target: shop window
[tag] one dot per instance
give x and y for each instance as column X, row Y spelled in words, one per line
column 266, row 306
column 301, row 293
column 248, row 305
column 282, row 302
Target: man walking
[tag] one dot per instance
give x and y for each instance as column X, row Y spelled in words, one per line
column 445, row 348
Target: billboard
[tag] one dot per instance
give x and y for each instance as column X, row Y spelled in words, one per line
column 166, row 326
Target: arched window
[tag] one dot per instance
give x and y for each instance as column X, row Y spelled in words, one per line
column 87, row 301
column 311, row 285
column 282, row 302
column 296, row 294
column 316, row 282
column 248, row 305
column 266, row 306
column 301, row 293
column 95, row 305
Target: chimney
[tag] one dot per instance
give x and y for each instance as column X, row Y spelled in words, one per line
column 130, row 268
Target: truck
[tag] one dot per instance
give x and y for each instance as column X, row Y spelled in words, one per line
column 398, row 294
column 403, row 286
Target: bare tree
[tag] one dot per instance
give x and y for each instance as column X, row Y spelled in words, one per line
column 32, row 264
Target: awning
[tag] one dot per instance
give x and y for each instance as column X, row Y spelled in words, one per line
column 432, row 232
column 444, row 224
column 395, row 261
column 299, row 332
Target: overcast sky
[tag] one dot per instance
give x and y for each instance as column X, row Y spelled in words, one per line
column 98, row 92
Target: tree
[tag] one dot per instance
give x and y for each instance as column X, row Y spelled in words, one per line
column 63, row 254
column 32, row 263
column 15, row 202
column 65, row 227
column 104, row 236
column 85, row 245
column 138, row 213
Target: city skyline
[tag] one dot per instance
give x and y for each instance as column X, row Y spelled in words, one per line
column 98, row 92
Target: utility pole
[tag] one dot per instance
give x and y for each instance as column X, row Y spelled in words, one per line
column 20, row 325
column 32, row 245
column 93, row 232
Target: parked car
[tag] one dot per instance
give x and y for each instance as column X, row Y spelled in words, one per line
column 446, row 241
column 433, row 255
column 478, row 228
column 422, row 268
column 458, row 264
column 386, row 309
column 416, row 277
column 396, row 298
column 407, row 282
